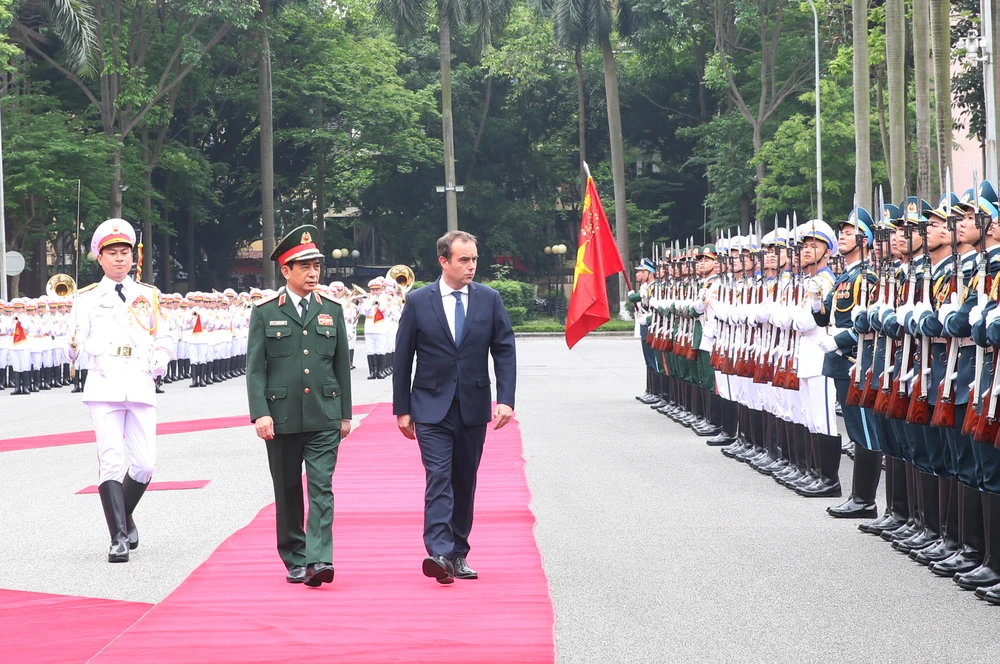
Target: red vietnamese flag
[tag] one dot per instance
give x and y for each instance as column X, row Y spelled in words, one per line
column 596, row 259
column 19, row 335
column 197, row 325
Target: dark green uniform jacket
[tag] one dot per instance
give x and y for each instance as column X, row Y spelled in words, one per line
column 299, row 372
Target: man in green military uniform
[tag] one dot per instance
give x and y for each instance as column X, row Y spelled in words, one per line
column 299, row 388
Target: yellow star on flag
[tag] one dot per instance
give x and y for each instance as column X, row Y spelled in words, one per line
column 581, row 267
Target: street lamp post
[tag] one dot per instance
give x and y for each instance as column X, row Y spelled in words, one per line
column 980, row 49
column 819, row 160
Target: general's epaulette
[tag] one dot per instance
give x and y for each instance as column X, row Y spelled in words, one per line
column 265, row 300
column 329, row 298
column 87, row 288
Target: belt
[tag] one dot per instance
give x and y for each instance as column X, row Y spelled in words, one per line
column 966, row 342
column 940, row 340
column 121, row 351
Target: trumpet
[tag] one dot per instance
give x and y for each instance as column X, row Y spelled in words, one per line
column 60, row 285
column 358, row 293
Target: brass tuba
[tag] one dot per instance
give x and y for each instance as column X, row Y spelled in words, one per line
column 358, row 293
column 403, row 276
column 60, row 285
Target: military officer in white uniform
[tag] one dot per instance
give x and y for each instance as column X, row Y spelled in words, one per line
column 119, row 328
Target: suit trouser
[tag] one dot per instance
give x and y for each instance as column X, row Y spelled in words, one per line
column 285, row 454
column 451, row 452
column 126, row 439
column 858, row 421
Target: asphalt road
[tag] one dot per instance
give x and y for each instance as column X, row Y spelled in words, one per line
column 658, row 548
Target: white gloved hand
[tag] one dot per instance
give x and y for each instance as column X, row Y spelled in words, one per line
column 782, row 317
column 920, row 309
column 764, row 313
column 803, row 320
column 856, row 312
column 813, row 288
column 826, row 343
column 703, row 295
column 992, row 316
column 976, row 314
column 901, row 312
column 947, row 309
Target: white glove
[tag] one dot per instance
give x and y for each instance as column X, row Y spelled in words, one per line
column 703, row 295
column 803, row 320
column 874, row 312
column 813, row 288
column 826, row 343
column 763, row 313
column 856, row 312
column 920, row 309
column 948, row 308
column 901, row 312
column 976, row 314
column 782, row 317
column 992, row 316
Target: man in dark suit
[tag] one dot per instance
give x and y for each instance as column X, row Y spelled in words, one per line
column 452, row 325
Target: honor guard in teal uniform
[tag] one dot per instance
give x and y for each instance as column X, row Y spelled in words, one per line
column 852, row 293
column 644, row 278
column 974, row 231
column 299, row 389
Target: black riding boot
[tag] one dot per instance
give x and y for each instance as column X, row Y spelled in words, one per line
column 867, row 472
column 132, row 491
column 949, row 543
column 351, row 354
column 987, row 574
column 928, row 487
column 828, row 451
column 113, row 501
column 971, row 533
column 371, row 367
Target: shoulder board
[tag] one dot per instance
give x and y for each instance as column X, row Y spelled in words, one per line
column 329, row 298
column 265, row 300
column 86, row 288
column 142, row 283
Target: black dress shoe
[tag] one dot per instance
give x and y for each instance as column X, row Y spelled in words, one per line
column 462, row 569
column 721, row 440
column 317, row 573
column 852, row 508
column 965, row 560
column 296, row 574
column 440, row 568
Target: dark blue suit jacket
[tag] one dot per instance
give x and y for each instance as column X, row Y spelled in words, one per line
column 446, row 371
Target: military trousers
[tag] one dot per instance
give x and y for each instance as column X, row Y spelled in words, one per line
column 648, row 354
column 299, row 546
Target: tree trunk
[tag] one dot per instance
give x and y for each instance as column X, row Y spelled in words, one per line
column 880, row 109
column 922, row 80
column 447, row 123
column 895, row 62
column 192, row 261
column 941, row 47
column 147, row 207
column 115, row 200
column 617, row 162
column 166, row 260
column 862, row 106
column 266, row 144
column 581, row 112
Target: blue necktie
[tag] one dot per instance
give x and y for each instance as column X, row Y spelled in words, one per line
column 459, row 317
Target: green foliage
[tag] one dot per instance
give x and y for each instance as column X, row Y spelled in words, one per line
column 516, row 315
column 512, row 293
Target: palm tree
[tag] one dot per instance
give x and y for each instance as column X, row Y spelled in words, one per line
column 577, row 23
column 895, row 59
column 922, row 85
column 862, row 102
column 941, row 47
column 74, row 24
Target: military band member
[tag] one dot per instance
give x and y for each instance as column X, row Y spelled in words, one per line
column 299, row 389
column 117, row 326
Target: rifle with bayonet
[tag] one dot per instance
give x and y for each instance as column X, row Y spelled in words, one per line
column 971, row 422
column 899, row 399
column 944, row 409
column 918, row 411
column 854, row 391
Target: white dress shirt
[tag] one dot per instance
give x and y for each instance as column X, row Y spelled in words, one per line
column 448, row 301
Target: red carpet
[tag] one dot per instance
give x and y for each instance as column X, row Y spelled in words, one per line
column 162, row 429
column 159, row 486
column 40, row 628
column 236, row 607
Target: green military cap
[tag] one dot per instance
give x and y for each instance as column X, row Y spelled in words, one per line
column 297, row 246
column 708, row 251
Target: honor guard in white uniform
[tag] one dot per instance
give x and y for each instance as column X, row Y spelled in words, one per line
column 117, row 325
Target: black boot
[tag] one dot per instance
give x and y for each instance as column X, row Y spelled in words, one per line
column 351, row 354
column 42, row 379
column 897, row 510
column 3, row 379
column 371, row 367
column 77, row 387
column 928, row 487
column 380, row 363
column 34, row 380
column 20, row 384
column 194, row 376
column 970, row 533
column 169, row 376
column 987, row 574
column 159, row 385
column 83, row 380
column 867, row 472
column 113, row 501
column 827, row 485
column 948, row 544
column 132, row 491
column 389, row 360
